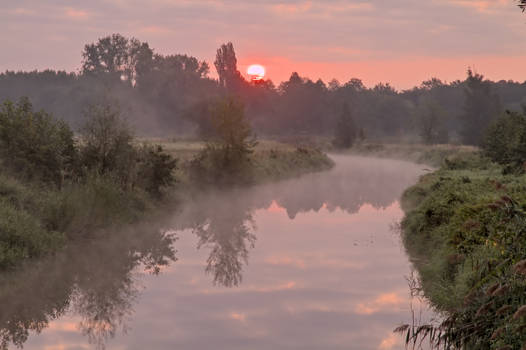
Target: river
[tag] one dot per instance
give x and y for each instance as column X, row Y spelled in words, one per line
column 309, row 263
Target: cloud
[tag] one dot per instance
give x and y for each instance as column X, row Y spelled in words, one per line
column 76, row 14
column 387, row 302
column 342, row 38
column 391, row 341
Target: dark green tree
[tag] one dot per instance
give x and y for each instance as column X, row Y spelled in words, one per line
column 346, row 130
column 430, row 120
column 481, row 106
column 118, row 57
column 505, row 140
column 226, row 158
column 34, row 145
column 226, row 66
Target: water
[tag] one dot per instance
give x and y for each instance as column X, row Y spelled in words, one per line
column 309, row 263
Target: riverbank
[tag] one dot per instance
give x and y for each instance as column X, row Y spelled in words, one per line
column 465, row 231
column 432, row 155
column 270, row 160
column 39, row 218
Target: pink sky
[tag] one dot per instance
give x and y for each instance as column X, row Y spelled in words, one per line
column 402, row 42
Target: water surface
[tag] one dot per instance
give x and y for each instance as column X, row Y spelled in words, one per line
column 308, row 263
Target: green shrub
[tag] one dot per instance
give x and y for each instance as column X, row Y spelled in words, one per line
column 155, row 169
column 505, row 141
column 23, row 237
column 33, row 145
column 108, row 150
column 465, row 231
column 226, row 157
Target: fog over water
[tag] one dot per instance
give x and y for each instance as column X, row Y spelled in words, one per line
column 307, row 263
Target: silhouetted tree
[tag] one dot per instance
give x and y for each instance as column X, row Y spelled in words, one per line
column 226, row 158
column 346, row 130
column 117, row 56
column 34, row 145
column 505, row 140
column 481, row 106
column 226, row 66
column 430, row 122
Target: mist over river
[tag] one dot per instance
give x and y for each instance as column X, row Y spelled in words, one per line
column 309, row 263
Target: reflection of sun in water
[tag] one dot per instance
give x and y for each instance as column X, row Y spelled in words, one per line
column 256, row 72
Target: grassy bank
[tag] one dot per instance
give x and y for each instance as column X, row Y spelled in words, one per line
column 465, row 231
column 58, row 187
column 432, row 155
column 270, row 160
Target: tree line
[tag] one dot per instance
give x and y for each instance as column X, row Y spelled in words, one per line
column 167, row 95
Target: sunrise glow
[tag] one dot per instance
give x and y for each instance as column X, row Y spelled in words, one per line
column 256, row 72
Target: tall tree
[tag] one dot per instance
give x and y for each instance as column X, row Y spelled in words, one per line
column 226, row 66
column 346, row 130
column 481, row 106
column 116, row 56
column 430, row 121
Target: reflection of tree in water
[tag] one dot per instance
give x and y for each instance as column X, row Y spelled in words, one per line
column 354, row 182
column 93, row 279
column 96, row 281
column 224, row 222
column 228, row 232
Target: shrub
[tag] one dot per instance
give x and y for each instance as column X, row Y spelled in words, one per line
column 505, row 140
column 155, row 169
column 35, row 146
column 108, row 149
column 226, row 157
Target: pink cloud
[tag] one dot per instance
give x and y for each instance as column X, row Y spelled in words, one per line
column 383, row 302
column 76, row 14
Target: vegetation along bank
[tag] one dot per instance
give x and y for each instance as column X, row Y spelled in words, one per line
column 57, row 186
column 465, row 231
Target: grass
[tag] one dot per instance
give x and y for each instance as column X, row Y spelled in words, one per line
column 432, row 155
column 38, row 219
column 272, row 160
column 465, row 230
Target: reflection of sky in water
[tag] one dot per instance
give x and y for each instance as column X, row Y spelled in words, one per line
column 330, row 278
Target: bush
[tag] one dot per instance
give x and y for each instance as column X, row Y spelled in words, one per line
column 226, row 157
column 33, row 145
column 108, row 149
column 155, row 169
column 505, row 140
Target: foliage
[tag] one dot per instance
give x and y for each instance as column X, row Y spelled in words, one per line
column 115, row 56
column 156, row 169
column 430, row 122
column 24, row 233
column 108, row 149
column 33, row 145
column 226, row 158
column 102, row 181
column 481, row 106
column 346, row 131
column 505, row 140
column 169, row 89
column 226, row 66
column 465, row 230
column 107, row 146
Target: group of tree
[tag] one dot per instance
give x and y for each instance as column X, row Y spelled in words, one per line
column 36, row 147
column 172, row 94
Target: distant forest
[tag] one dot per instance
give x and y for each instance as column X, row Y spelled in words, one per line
column 170, row 95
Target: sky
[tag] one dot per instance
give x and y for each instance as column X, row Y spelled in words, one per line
column 402, row 42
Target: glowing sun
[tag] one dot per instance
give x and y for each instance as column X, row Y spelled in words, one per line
column 256, row 72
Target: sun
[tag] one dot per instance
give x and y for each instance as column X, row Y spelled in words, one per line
column 256, row 72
